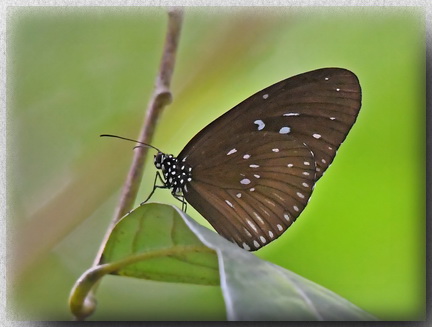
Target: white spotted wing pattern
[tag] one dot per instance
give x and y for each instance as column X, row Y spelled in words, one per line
column 255, row 202
column 254, row 168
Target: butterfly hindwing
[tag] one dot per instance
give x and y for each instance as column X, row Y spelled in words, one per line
column 258, row 190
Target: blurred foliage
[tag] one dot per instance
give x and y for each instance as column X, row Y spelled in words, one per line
column 74, row 73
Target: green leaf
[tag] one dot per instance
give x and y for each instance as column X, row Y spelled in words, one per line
column 160, row 242
column 153, row 242
column 254, row 289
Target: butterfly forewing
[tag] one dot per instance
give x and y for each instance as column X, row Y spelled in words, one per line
column 253, row 169
column 318, row 108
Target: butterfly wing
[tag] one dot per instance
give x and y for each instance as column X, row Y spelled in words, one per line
column 318, row 107
column 258, row 191
column 300, row 121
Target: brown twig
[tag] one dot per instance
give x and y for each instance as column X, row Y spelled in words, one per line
column 161, row 97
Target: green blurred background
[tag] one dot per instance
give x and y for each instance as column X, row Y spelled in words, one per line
column 76, row 73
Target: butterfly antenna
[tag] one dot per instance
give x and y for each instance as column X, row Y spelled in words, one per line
column 127, row 139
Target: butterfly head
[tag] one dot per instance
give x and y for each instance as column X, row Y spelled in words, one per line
column 165, row 162
column 159, row 159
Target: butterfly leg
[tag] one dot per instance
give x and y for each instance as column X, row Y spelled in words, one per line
column 182, row 200
column 155, row 187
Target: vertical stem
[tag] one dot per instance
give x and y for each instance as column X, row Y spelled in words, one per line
column 160, row 99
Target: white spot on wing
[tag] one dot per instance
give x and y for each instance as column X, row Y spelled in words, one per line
column 246, row 156
column 252, row 225
column 265, row 96
column 262, row 238
column 306, row 163
column 245, row 246
column 317, row 136
column 270, row 202
column 275, row 150
column 305, row 173
column 271, row 234
column 231, row 151
column 252, row 189
column 247, row 232
column 305, row 184
column 260, row 124
column 296, row 208
column 254, row 166
column 256, row 244
column 290, row 165
column 258, row 217
column 323, row 161
column 286, row 217
column 278, row 196
column 332, row 118
column 229, row 203
column 291, row 114
column 279, row 226
column 257, row 176
column 300, row 195
column 284, row 130
column 245, row 181
column 238, row 195
column 326, row 78
column 337, row 89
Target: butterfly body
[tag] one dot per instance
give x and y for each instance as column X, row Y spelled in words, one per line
column 176, row 174
column 252, row 171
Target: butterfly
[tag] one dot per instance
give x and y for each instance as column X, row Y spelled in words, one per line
column 251, row 172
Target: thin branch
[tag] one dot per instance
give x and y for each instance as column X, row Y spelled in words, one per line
column 161, row 97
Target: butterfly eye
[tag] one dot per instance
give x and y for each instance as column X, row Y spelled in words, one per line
column 158, row 160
